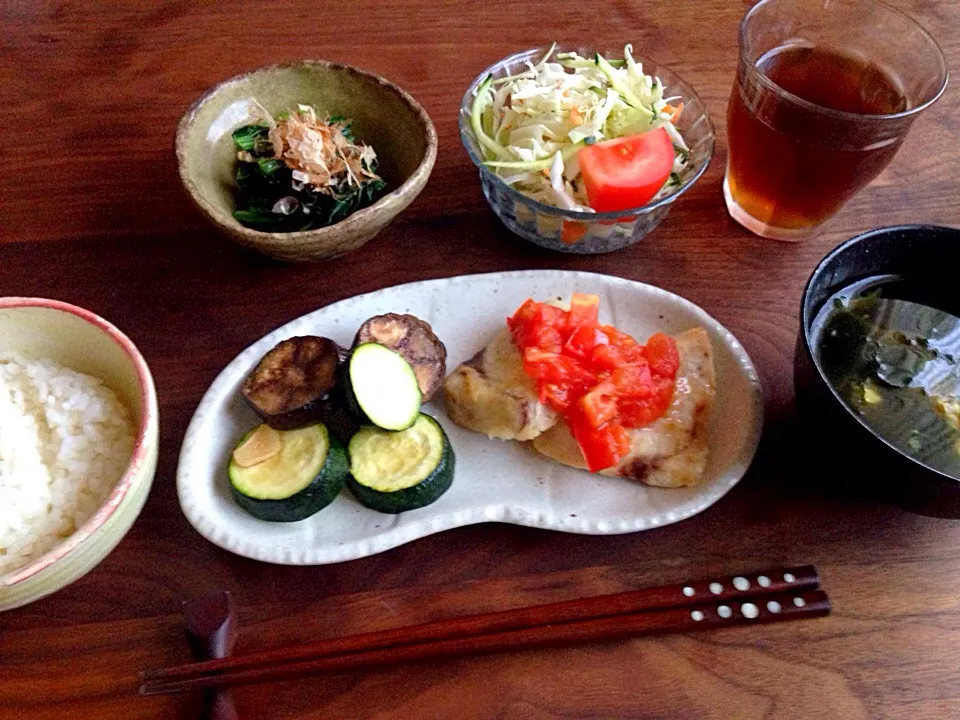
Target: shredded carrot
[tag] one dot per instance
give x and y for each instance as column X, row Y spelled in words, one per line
column 674, row 111
column 572, row 232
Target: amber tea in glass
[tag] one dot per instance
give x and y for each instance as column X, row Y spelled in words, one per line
column 825, row 93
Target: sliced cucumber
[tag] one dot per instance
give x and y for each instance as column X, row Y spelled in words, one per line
column 393, row 472
column 302, row 478
column 536, row 165
column 383, row 387
column 625, row 92
column 483, row 98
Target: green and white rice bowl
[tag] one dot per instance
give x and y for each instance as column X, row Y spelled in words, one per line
column 78, row 444
column 65, row 440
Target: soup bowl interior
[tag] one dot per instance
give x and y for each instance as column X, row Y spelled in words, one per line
column 858, row 455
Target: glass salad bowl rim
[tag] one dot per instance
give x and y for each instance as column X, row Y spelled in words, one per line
column 468, row 140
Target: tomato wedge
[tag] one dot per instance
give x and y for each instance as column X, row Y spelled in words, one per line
column 625, row 173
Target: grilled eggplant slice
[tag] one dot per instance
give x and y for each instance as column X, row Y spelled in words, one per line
column 295, row 384
column 414, row 339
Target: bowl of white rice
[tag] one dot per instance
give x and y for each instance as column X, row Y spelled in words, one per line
column 78, row 444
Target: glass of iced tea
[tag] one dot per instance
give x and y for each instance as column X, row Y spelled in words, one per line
column 825, row 93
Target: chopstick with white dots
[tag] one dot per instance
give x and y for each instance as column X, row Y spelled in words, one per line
column 736, row 587
column 744, row 599
column 761, row 609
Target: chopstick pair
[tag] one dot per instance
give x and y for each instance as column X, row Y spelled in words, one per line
column 771, row 596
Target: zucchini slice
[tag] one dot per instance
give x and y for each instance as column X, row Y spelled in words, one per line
column 393, row 472
column 415, row 341
column 298, row 480
column 383, row 387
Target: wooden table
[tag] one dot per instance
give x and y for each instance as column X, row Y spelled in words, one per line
column 91, row 212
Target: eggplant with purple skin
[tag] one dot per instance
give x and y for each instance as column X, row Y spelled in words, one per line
column 412, row 339
column 296, row 384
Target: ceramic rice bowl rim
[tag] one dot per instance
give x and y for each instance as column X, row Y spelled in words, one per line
column 258, row 237
column 141, row 451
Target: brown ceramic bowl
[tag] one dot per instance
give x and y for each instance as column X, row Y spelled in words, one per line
column 383, row 115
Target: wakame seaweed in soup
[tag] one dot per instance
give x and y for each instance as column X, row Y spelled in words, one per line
column 894, row 359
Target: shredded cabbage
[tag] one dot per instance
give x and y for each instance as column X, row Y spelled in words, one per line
column 531, row 125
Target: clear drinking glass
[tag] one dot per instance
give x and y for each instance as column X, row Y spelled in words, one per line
column 825, row 93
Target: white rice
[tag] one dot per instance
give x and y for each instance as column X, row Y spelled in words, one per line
column 65, row 440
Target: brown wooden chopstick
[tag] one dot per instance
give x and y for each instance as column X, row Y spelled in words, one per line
column 727, row 588
column 764, row 608
column 723, row 590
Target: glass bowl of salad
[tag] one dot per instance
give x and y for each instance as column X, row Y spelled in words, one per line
column 584, row 150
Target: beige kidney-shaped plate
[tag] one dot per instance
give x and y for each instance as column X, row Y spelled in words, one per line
column 495, row 481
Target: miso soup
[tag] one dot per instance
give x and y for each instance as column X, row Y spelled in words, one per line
column 891, row 350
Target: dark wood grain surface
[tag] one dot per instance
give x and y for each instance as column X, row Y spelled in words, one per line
column 91, row 212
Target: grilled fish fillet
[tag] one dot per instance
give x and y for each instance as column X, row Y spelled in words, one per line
column 672, row 451
column 491, row 394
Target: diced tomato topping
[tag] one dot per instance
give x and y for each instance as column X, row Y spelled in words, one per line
column 639, row 409
column 601, row 447
column 584, row 341
column 556, row 368
column 661, row 352
column 523, row 315
column 606, row 357
column 583, row 310
column 599, row 405
column 633, row 379
column 601, row 379
column 551, row 315
column 558, row 397
column 631, row 350
column 546, row 337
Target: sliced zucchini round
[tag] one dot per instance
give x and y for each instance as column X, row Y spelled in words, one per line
column 393, row 472
column 299, row 479
column 415, row 341
column 383, row 387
